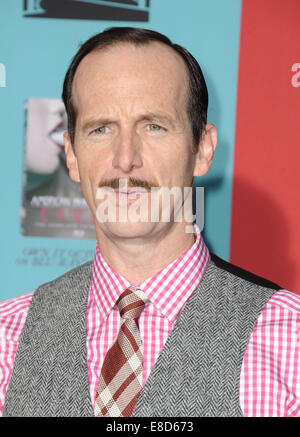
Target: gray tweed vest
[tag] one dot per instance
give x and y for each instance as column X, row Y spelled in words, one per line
column 197, row 373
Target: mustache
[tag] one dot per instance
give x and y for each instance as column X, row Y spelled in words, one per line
column 131, row 183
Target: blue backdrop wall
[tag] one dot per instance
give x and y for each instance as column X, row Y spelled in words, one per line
column 35, row 53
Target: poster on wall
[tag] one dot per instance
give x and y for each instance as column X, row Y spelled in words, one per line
column 121, row 10
column 52, row 204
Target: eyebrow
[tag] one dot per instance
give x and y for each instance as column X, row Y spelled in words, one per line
column 149, row 116
column 160, row 118
column 90, row 124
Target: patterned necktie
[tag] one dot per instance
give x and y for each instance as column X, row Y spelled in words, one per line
column 121, row 378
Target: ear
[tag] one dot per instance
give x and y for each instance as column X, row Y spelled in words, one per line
column 206, row 149
column 71, row 158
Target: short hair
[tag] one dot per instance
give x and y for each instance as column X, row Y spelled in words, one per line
column 198, row 96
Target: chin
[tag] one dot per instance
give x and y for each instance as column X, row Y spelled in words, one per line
column 128, row 229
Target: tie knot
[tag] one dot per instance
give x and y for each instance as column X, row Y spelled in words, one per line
column 131, row 303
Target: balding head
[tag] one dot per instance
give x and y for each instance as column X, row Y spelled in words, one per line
column 197, row 93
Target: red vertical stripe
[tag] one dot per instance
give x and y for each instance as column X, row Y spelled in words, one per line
column 265, row 232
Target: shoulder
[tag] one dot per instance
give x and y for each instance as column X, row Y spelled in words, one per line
column 270, row 384
column 245, row 290
column 285, row 301
column 62, row 295
column 67, row 282
column 279, row 323
column 13, row 314
column 14, row 311
column 242, row 275
column 79, row 273
column 281, row 299
column 281, row 313
column 15, row 305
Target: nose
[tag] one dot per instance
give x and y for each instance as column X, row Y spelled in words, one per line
column 127, row 154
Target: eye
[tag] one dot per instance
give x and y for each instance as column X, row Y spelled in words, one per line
column 154, row 127
column 100, row 130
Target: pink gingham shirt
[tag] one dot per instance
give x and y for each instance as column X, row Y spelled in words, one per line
column 270, row 376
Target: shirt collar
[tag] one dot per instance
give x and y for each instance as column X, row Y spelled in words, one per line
column 168, row 289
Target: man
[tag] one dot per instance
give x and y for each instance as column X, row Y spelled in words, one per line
column 156, row 325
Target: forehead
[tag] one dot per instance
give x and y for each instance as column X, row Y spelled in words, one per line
column 152, row 73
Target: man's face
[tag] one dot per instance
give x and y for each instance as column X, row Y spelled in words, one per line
column 132, row 122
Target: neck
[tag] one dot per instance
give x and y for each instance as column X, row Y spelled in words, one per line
column 142, row 254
